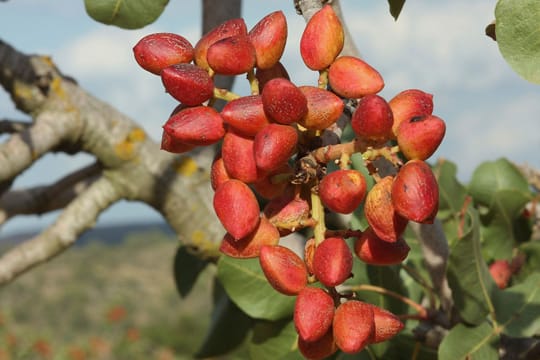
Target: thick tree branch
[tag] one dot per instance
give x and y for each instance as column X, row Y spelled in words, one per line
column 134, row 167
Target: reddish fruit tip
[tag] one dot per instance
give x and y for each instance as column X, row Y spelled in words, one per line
column 387, row 325
column 372, row 250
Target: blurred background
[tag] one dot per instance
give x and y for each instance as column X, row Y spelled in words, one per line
column 73, row 304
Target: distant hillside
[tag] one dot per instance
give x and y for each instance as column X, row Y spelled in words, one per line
column 113, row 299
column 108, row 234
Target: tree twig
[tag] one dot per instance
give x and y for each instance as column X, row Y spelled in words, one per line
column 78, row 216
column 436, row 252
column 9, row 126
column 42, row 199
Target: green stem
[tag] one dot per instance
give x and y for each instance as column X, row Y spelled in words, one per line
column 225, row 94
column 323, row 79
column 344, row 161
column 253, row 82
column 317, row 213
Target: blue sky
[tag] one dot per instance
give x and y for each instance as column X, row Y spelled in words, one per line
column 439, row 47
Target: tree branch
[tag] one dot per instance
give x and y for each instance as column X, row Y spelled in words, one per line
column 67, row 118
column 8, row 126
column 436, row 252
column 42, row 199
column 78, row 216
column 22, row 149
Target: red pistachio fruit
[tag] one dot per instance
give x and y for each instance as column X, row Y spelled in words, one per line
column 415, row 192
column 353, row 78
column 332, row 261
column 284, row 270
column 342, row 191
column 236, row 208
column 313, row 313
column 354, row 326
column 322, row 39
column 155, row 52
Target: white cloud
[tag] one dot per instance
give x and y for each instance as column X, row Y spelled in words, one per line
column 440, row 47
column 506, row 128
column 107, row 51
column 431, row 44
column 102, row 62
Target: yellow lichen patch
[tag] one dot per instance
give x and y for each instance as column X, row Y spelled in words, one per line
column 202, row 246
column 23, row 91
column 198, row 238
column 125, row 150
column 186, row 166
column 56, row 87
column 137, row 135
column 48, row 60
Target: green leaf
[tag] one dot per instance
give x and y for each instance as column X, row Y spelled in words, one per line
column 453, row 198
column 186, row 268
column 517, row 28
column 274, row 340
column 404, row 345
column 395, row 7
column 499, row 231
column 468, row 275
column 127, row 14
column 362, row 355
column 517, row 308
column 384, row 276
column 531, row 250
column 452, row 194
column 491, row 177
column 471, row 343
column 357, row 163
column 247, row 286
column 222, row 337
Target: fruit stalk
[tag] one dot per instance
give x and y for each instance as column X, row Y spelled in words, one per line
column 253, row 82
column 317, row 213
column 225, row 94
column 422, row 312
